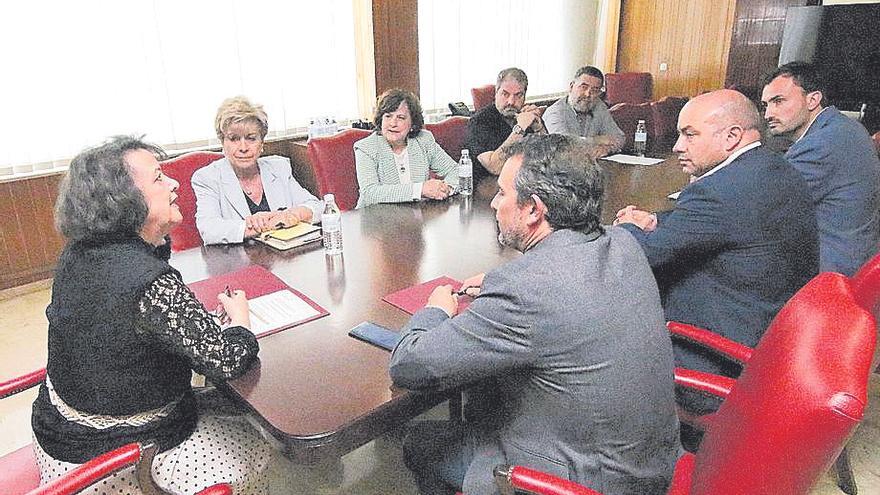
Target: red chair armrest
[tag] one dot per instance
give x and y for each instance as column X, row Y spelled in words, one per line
column 531, row 481
column 87, row 474
column 221, row 489
column 24, row 382
column 707, row 383
column 721, row 345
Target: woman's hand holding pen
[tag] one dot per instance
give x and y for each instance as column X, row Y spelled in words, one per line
column 234, row 306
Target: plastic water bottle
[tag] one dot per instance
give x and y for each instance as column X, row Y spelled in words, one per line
column 465, row 174
column 331, row 226
column 640, row 141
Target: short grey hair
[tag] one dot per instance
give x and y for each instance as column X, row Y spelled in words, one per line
column 561, row 171
column 514, row 73
column 239, row 109
column 98, row 198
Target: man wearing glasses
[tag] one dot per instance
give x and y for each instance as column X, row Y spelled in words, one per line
column 582, row 113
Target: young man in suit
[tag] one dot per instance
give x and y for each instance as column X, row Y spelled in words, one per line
column 742, row 237
column 836, row 157
column 563, row 354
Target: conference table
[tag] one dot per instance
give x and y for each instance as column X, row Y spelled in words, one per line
column 322, row 393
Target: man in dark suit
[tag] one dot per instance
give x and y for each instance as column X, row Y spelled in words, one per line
column 564, row 354
column 836, row 157
column 742, row 237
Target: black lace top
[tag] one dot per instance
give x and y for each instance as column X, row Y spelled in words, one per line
column 173, row 317
column 125, row 334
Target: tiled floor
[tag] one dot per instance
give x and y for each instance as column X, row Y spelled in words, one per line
column 375, row 468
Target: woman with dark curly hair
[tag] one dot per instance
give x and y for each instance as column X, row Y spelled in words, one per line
column 393, row 163
column 125, row 334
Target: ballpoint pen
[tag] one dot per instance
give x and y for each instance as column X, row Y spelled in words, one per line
column 463, row 291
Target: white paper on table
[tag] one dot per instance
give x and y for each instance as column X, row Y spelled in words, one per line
column 278, row 309
column 633, row 160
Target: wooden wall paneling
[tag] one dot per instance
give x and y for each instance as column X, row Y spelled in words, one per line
column 690, row 36
column 30, row 244
column 396, row 44
column 755, row 42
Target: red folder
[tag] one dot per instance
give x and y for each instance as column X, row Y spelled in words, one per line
column 415, row 298
column 255, row 281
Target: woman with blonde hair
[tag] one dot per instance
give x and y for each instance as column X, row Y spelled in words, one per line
column 243, row 194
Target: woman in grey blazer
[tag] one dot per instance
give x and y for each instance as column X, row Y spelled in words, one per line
column 243, row 195
column 393, row 163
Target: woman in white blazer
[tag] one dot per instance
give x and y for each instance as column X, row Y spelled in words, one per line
column 243, row 195
column 393, row 163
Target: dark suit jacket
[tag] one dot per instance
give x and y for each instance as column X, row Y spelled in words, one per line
column 838, row 160
column 737, row 246
column 571, row 335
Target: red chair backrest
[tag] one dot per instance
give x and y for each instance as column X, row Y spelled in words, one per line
column 628, row 87
column 450, row 134
column 798, row 400
column 332, row 162
column 483, row 96
column 665, row 114
column 866, row 285
column 186, row 235
column 627, row 116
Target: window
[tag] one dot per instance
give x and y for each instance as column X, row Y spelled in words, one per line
column 464, row 44
column 77, row 72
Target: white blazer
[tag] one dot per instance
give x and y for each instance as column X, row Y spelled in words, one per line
column 221, row 206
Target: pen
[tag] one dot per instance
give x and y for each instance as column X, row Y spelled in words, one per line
column 462, row 292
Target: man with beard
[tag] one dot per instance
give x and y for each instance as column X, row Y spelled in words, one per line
column 505, row 122
column 563, row 353
column 582, row 113
column 836, row 156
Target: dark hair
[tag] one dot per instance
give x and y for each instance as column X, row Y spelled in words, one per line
column 98, row 197
column 590, row 71
column 514, row 73
column 390, row 100
column 561, row 171
column 805, row 75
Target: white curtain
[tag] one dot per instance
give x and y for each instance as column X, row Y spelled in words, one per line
column 464, row 44
column 79, row 71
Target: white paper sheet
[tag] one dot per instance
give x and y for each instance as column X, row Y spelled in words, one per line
column 278, row 309
column 633, row 160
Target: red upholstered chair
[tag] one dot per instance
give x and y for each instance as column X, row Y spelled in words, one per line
column 628, row 87
column 483, row 96
column 19, row 474
column 627, row 116
column 866, row 285
column 785, row 419
column 450, row 134
column 665, row 114
column 332, row 162
column 186, row 235
column 18, row 469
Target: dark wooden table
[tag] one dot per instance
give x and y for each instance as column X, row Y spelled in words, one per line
column 323, row 393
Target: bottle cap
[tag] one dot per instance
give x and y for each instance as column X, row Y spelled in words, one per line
column 329, row 197
column 640, row 121
column 465, row 152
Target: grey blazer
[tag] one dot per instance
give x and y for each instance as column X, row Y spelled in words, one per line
column 571, row 339
column 221, row 206
column 377, row 175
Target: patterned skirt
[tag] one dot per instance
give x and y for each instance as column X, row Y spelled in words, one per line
column 220, row 450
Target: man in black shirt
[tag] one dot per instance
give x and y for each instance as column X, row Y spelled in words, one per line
column 507, row 121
